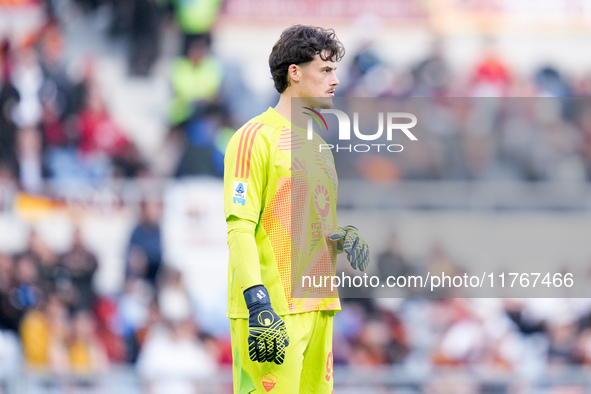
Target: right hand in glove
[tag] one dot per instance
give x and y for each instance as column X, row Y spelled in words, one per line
column 267, row 337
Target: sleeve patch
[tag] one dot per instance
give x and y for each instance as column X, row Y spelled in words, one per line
column 240, row 193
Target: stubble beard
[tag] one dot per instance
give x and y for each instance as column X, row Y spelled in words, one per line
column 322, row 103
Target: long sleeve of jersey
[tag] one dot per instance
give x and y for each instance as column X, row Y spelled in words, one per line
column 244, row 257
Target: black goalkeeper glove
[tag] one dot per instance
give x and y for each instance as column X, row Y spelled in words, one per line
column 349, row 240
column 267, row 337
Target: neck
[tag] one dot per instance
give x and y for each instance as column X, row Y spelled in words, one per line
column 283, row 107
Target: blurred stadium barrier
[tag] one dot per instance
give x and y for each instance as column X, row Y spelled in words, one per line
column 348, row 380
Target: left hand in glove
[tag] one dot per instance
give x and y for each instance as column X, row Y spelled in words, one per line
column 349, row 240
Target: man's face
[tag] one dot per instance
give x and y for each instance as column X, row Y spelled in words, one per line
column 318, row 82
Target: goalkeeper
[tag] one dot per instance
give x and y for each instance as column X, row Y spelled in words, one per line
column 281, row 217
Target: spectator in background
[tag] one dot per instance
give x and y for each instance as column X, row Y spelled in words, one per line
column 491, row 77
column 28, row 79
column 563, row 337
column 9, row 101
column 153, row 319
column 524, row 322
column 80, row 265
column 583, row 350
column 438, row 262
column 144, row 257
column 198, row 111
column 208, row 138
column 173, row 359
column 52, row 126
column 224, row 131
column 558, row 152
column 31, row 169
column 173, row 297
column 551, row 83
column 145, row 36
column 58, row 105
column 109, row 329
column 121, row 18
column 462, row 336
column 364, row 62
column 87, row 79
column 136, row 308
column 61, row 132
column 57, row 84
column 87, row 355
column 102, row 143
column 26, row 291
column 44, row 334
column 372, row 346
column 432, row 75
column 10, row 313
column 391, row 262
column 88, row 5
column 10, row 358
column 50, row 274
column 60, row 155
column 196, row 80
column 583, row 121
column 195, row 18
column 34, row 333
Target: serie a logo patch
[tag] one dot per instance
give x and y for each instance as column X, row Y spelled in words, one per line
column 240, row 193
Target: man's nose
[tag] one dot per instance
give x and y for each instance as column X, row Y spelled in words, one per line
column 335, row 80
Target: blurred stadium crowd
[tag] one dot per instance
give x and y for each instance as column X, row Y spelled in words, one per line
column 56, row 131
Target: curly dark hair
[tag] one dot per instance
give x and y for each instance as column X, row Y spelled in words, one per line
column 298, row 45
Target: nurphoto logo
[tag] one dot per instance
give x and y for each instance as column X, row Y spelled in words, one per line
column 396, row 122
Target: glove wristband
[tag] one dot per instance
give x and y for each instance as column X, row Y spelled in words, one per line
column 256, row 295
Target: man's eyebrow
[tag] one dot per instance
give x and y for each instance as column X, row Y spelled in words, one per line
column 329, row 67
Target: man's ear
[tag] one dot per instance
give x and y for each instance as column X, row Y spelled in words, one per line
column 294, row 72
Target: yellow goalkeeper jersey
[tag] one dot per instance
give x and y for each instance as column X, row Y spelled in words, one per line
column 277, row 178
